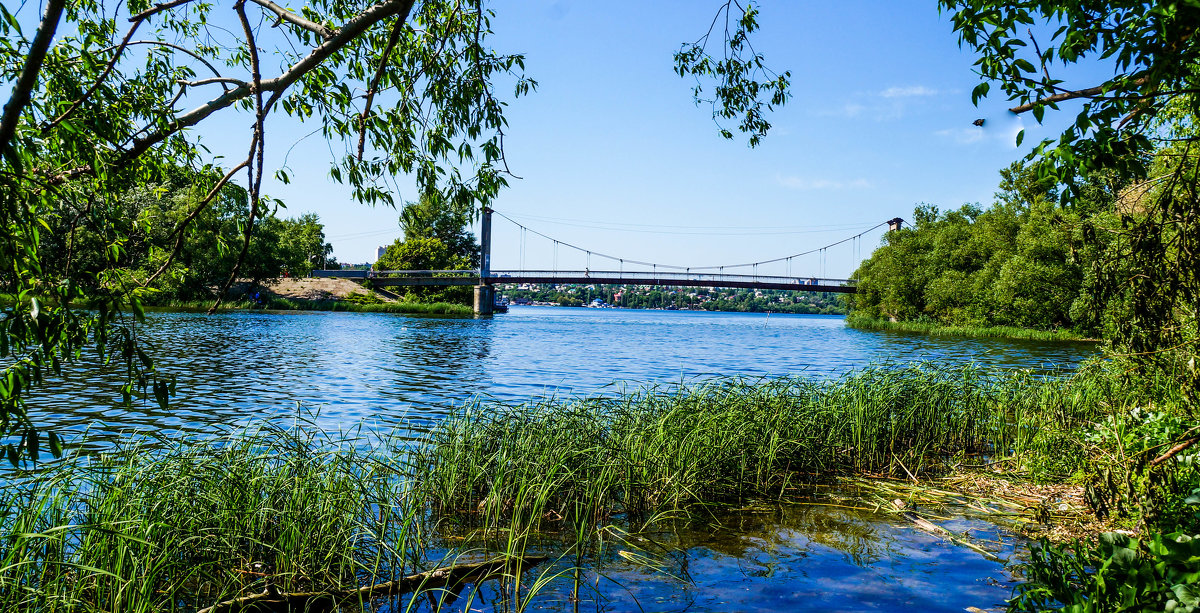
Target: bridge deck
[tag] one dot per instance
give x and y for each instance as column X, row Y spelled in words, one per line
column 393, row 278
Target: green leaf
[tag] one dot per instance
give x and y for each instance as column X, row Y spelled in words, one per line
column 31, row 443
column 55, row 444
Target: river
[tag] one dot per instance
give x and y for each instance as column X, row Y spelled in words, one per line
column 382, row 371
column 386, row 370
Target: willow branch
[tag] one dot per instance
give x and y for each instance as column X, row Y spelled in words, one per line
column 343, row 36
column 353, row 28
column 1172, row 452
column 1090, row 92
column 211, row 80
column 256, row 151
column 158, row 8
column 371, row 89
column 23, row 90
column 137, row 22
column 296, row 20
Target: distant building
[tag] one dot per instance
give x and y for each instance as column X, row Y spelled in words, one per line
column 379, row 251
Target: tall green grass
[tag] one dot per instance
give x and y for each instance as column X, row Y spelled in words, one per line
column 162, row 525
column 937, row 329
column 193, row 523
column 727, row 440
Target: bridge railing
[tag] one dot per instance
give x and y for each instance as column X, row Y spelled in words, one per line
column 634, row 277
column 582, row 276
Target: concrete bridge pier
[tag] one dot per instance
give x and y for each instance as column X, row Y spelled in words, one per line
column 485, row 299
column 485, row 295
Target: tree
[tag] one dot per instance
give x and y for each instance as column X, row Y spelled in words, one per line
column 302, row 243
column 428, row 218
column 1137, row 129
column 96, row 110
column 1018, row 263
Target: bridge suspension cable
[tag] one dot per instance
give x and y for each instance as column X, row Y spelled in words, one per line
column 656, row 265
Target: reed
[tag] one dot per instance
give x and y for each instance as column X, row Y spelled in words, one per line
column 191, row 523
column 732, row 439
column 163, row 525
column 938, row 329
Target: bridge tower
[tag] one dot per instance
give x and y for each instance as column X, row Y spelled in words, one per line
column 485, row 294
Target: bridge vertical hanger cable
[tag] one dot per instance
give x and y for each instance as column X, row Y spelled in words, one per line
column 656, row 266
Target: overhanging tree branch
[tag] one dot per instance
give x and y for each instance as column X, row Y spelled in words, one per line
column 1090, row 92
column 373, row 87
column 23, row 90
column 296, row 20
column 353, row 28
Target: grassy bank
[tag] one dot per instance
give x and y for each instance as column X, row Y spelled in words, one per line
column 935, row 329
column 289, row 304
column 185, row 524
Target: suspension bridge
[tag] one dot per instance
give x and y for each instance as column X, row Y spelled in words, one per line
column 745, row 275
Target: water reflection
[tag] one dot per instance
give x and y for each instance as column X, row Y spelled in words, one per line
column 794, row 557
column 388, row 370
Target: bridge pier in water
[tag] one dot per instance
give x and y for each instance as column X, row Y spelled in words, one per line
column 485, row 294
column 485, row 299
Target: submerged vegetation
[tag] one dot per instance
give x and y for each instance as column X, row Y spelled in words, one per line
column 162, row 525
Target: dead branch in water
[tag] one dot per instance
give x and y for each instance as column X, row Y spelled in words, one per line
column 452, row 576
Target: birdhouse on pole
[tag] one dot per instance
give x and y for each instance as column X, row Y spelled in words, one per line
column 895, row 224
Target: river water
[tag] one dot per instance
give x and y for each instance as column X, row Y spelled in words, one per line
column 381, row 371
column 385, row 370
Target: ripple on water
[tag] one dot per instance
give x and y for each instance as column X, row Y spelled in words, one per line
column 388, row 370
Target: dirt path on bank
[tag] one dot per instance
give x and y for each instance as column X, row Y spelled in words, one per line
column 316, row 289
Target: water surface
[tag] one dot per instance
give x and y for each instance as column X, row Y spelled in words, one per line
column 386, row 370
column 382, row 371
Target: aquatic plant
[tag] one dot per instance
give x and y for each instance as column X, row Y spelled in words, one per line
column 861, row 322
column 730, row 439
column 190, row 523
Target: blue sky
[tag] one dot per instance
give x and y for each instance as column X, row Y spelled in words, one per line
column 614, row 156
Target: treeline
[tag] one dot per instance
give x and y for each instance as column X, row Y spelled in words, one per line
column 435, row 238
column 1023, row 262
column 154, row 239
column 697, row 299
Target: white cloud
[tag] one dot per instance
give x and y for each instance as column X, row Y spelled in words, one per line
column 849, row 109
column 794, row 182
column 907, row 92
column 889, row 104
column 962, row 136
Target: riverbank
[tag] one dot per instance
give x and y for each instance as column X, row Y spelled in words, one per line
column 292, row 304
column 301, row 510
column 935, row 329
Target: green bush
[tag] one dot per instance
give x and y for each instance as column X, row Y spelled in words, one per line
column 1116, row 573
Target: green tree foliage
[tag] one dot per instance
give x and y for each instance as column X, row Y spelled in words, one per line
column 431, row 218
column 1139, row 125
column 96, row 112
column 107, row 98
column 1017, row 263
